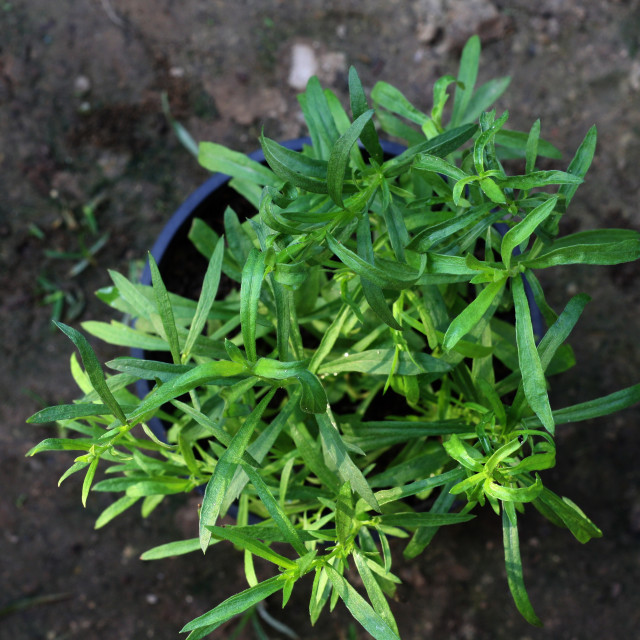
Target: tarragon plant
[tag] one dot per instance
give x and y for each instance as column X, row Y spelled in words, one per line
column 376, row 350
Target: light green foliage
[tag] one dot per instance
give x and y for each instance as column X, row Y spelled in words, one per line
column 367, row 352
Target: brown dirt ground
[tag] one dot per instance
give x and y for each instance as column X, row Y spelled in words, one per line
column 80, row 119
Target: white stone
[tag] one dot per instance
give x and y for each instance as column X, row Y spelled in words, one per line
column 304, row 64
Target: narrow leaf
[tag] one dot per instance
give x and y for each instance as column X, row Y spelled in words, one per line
column 361, row 610
column 359, row 106
column 252, row 275
column 237, row 604
column 209, row 291
column 338, row 460
column 469, row 318
column 513, row 564
column 165, row 309
column 376, row 596
column 533, row 378
column 225, row 469
column 216, row 157
column 88, row 480
column 340, row 156
column 580, row 163
column 523, row 230
column 93, row 369
column 275, row 511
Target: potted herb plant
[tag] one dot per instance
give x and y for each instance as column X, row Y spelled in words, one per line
column 362, row 343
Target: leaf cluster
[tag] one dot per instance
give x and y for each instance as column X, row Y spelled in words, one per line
column 375, row 372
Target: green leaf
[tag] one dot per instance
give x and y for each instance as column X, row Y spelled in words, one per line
column 393, row 100
column 518, row 140
column 319, row 118
column 344, row 514
column 444, row 502
column 68, row 412
column 165, row 310
column 471, row 315
column 513, row 494
column 571, row 515
column 533, row 378
column 276, row 512
column 384, row 362
column 580, row 163
column 484, row 97
column 513, row 564
column 88, row 479
column 359, row 106
column 61, row 444
column 538, row 179
column 252, row 275
column 216, row 157
column 251, row 544
column 93, row 369
column 597, row 408
column 121, row 335
column 237, row 604
column 201, row 374
column 300, row 170
column 419, row 466
column 412, row 519
column 393, row 215
column 339, row 157
column 531, row 152
column 403, row 277
column 203, row 237
column 440, row 146
column 467, row 74
column 595, row 246
column 370, row 436
column 149, row 369
column 523, row 230
column 79, row 465
column 309, row 451
column 115, row 509
column 463, row 453
column 132, row 294
column 209, row 292
column 376, row 596
column 372, row 292
column 492, row 190
column 225, row 469
column 429, row 162
column 361, row 610
column 171, row 549
column 215, row 429
column 554, row 339
column 313, row 398
column 338, row 460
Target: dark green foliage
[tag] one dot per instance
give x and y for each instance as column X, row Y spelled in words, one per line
column 359, row 276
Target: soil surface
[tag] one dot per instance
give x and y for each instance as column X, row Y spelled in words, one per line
column 85, row 150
